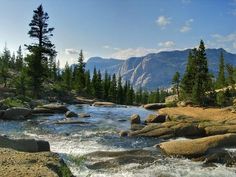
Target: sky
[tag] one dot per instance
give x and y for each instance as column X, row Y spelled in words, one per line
column 122, row 28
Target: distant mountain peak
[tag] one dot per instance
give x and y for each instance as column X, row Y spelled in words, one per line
column 155, row 69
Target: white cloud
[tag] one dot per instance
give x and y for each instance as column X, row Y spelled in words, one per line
column 133, row 52
column 187, row 26
column 225, row 41
column 227, row 38
column 234, row 45
column 162, row 21
column 106, row 46
column 71, row 51
column 167, row 44
column 142, row 51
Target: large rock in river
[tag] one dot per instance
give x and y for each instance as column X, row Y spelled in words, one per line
column 197, row 147
column 154, row 118
column 15, row 113
column 70, row 114
column 135, row 119
column 25, row 145
column 105, row 104
column 154, row 106
column 51, row 108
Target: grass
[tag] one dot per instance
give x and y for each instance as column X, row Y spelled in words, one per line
column 13, row 102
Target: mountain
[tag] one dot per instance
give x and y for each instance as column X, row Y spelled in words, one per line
column 104, row 64
column 156, row 69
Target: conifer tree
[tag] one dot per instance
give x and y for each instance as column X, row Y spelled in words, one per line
column 189, row 76
column 220, row 82
column 176, row 82
column 88, row 88
column 19, row 59
column 202, row 77
column 230, row 75
column 106, row 86
column 39, row 52
column 113, row 89
column 120, row 95
column 80, row 73
column 67, row 77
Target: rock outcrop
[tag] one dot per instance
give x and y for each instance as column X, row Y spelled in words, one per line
column 197, row 147
column 15, row 113
column 154, row 106
column 25, row 145
column 135, row 119
column 154, row 118
column 22, row 164
column 104, row 104
column 50, row 108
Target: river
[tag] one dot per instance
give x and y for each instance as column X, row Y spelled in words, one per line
column 100, row 133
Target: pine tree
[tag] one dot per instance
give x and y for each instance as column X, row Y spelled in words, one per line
column 21, row 82
column 157, row 96
column 189, row 76
column 176, row 82
column 4, row 66
column 113, row 89
column 88, row 88
column 120, row 95
column 80, row 77
column 40, row 51
column 202, row 77
column 220, row 82
column 106, row 86
column 67, row 77
column 230, row 75
column 19, row 59
column 94, row 82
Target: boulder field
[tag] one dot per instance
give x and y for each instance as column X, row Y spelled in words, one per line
column 207, row 136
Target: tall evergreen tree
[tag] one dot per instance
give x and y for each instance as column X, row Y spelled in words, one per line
column 80, row 74
column 189, row 76
column 202, row 77
column 106, row 86
column 176, row 82
column 120, row 95
column 113, row 89
column 67, row 77
column 230, row 75
column 40, row 51
column 19, row 59
column 220, row 82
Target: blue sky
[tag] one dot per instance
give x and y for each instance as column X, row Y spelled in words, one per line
column 122, row 28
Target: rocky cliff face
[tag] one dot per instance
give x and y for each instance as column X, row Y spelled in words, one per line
column 155, row 70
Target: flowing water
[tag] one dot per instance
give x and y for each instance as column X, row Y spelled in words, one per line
column 100, row 133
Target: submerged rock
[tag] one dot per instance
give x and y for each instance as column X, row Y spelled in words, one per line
column 135, row 119
column 25, row 145
column 84, row 115
column 71, row 122
column 115, row 159
column 70, row 114
column 124, row 133
column 197, row 147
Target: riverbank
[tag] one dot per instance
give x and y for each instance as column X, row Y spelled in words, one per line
column 199, row 113
column 22, row 164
